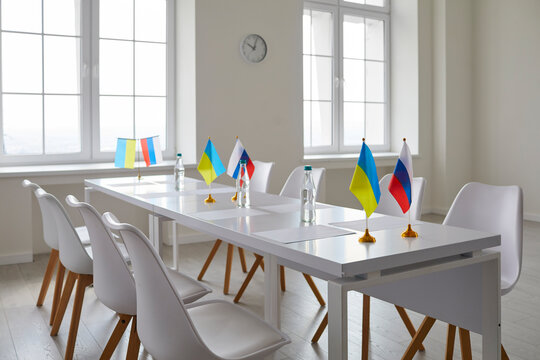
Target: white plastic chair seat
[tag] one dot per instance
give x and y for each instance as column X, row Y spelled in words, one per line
column 121, row 246
column 231, row 332
column 189, row 289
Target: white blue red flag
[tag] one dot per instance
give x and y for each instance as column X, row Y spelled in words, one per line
column 151, row 150
column 401, row 183
column 239, row 153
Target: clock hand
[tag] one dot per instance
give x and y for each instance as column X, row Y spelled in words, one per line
column 255, row 43
column 251, row 46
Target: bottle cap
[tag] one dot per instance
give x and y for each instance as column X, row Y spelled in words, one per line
column 307, row 167
column 179, row 154
column 243, row 161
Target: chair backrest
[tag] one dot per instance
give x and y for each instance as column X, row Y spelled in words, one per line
column 261, row 177
column 72, row 253
column 295, row 181
column 113, row 283
column 160, row 311
column 389, row 206
column 49, row 225
column 497, row 210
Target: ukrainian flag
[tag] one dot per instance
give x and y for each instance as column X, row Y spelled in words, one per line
column 365, row 182
column 210, row 165
column 125, row 153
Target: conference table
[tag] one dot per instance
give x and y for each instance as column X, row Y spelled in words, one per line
column 447, row 272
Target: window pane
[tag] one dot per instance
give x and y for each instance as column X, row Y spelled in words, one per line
column 62, row 17
column 321, row 78
column 353, row 37
column 375, row 2
column 151, row 20
column 353, row 123
column 21, row 63
column 307, row 123
column 307, row 77
column 323, row 33
column 62, row 124
column 375, row 123
column 306, row 31
column 116, row 67
column 115, row 120
column 62, row 64
column 321, row 123
column 354, row 81
column 116, row 19
column 22, row 124
column 151, row 118
column 374, row 81
column 21, row 15
column 374, row 39
column 150, row 69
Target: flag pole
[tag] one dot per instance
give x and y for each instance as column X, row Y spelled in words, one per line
column 367, row 236
column 409, row 232
column 209, row 199
column 138, row 161
column 235, row 197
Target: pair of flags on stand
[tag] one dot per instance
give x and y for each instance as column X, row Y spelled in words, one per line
column 210, row 165
column 126, row 149
column 365, row 182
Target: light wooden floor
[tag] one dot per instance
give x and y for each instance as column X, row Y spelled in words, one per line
column 24, row 329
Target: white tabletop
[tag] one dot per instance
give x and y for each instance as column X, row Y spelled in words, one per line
column 328, row 257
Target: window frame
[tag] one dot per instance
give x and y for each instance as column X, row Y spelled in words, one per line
column 339, row 9
column 89, row 94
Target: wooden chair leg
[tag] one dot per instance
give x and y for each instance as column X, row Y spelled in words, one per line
column 365, row 326
column 116, row 335
column 242, row 259
column 57, row 291
column 282, row 277
column 504, row 355
column 134, row 342
column 230, row 252
column 66, row 294
column 258, row 261
column 450, row 340
column 408, row 323
column 209, row 259
column 465, row 342
column 418, row 339
column 53, row 259
column 83, row 281
column 314, row 288
column 320, row 329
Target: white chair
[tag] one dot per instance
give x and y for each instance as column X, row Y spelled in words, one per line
column 50, row 237
column 258, row 182
column 494, row 209
column 291, row 188
column 114, row 284
column 168, row 329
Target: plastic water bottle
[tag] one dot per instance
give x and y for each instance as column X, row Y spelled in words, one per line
column 243, row 191
column 179, row 172
column 307, row 197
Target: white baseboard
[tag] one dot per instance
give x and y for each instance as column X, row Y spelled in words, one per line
column 16, row 258
column 531, row 217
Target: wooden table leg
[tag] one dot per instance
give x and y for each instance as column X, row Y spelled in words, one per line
column 242, row 259
column 408, row 323
column 258, row 261
column 320, row 329
column 421, row 334
column 465, row 342
column 230, row 252
column 209, row 259
column 450, row 339
column 314, row 288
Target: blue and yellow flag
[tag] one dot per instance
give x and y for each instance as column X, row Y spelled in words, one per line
column 365, row 182
column 210, row 165
column 125, row 153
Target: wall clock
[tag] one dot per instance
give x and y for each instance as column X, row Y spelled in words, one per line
column 253, row 48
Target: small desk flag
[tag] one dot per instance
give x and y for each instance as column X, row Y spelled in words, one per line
column 401, row 183
column 239, row 153
column 125, row 153
column 210, row 165
column 365, row 182
column 151, row 150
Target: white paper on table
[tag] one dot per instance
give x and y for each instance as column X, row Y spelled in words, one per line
column 376, row 223
column 288, row 208
column 227, row 214
column 303, row 233
column 186, row 192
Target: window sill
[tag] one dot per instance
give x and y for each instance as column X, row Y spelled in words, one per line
column 345, row 161
column 77, row 169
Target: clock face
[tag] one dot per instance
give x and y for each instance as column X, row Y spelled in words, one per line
column 253, row 48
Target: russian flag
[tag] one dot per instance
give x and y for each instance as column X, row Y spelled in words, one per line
column 239, row 153
column 151, row 150
column 401, row 183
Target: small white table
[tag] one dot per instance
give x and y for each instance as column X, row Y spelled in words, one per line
column 444, row 273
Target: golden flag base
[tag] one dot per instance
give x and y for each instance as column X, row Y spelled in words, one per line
column 367, row 237
column 235, row 197
column 409, row 232
column 209, row 199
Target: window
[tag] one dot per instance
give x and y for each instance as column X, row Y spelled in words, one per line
column 346, row 76
column 77, row 74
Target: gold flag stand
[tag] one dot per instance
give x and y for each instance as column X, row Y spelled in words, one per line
column 367, row 238
column 235, row 197
column 209, row 199
column 409, row 233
